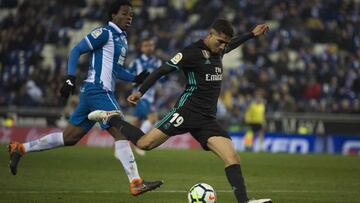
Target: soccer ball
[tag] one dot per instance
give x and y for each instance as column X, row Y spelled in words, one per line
column 201, row 193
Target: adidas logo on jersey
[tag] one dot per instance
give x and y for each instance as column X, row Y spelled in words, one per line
column 69, row 82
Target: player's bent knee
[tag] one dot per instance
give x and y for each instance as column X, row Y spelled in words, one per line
column 70, row 141
column 144, row 145
column 72, row 134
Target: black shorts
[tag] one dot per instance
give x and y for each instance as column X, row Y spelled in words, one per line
column 182, row 120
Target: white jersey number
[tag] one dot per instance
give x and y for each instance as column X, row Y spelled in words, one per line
column 177, row 118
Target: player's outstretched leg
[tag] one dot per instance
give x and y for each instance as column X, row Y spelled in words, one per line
column 139, row 186
column 16, row 151
column 71, row 135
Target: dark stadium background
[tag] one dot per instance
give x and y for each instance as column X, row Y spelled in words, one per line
column 307, row 67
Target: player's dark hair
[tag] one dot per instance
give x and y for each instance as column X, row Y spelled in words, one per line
column 223, row 26
column 142, row 40
column 115, row 6
column 145, row 39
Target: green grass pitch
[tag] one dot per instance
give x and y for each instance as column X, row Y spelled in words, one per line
column 85, row 174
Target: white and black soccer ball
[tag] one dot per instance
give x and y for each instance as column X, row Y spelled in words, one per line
column 202, row 193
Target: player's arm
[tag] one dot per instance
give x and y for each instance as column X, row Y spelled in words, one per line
column 92, row 41
column 95, row 40
column 237, row 41
column 181, row 60
column 81, row 48
column 69, row 85
column 164, row 78
column 133, row 66
column 123, row 74
column 150, row 81
column 154, row 76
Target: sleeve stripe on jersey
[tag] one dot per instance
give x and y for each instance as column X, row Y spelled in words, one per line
column 171, row 65
column 88, row 42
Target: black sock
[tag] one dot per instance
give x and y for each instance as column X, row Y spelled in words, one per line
column 131, row 132
column 236, row 180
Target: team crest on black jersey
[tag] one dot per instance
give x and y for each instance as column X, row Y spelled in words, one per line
column 206, row 54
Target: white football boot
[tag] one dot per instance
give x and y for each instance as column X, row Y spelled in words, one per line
column 103, row 116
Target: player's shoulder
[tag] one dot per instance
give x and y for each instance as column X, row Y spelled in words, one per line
column 102, row 31
column 192, row 46
column 189, row 54
column 193, row 49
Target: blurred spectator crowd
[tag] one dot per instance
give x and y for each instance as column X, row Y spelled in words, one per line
column 308, row 62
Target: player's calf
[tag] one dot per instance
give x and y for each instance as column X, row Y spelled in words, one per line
column 115, row 119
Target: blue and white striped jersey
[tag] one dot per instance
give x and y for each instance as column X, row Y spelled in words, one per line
column 109, row 50
column 148, row 63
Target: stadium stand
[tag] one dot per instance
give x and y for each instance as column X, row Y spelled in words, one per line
column 308, row 62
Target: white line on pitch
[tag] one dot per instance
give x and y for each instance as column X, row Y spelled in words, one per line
column 167, row 191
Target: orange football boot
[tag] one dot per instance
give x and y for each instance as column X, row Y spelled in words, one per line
column 139, row 186
column 16, row 151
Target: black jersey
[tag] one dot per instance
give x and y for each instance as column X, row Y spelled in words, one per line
column 203, row 72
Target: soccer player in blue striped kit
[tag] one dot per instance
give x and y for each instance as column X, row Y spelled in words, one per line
column 108, row 48
column 145, row 114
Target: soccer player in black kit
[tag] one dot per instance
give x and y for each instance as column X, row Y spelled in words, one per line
column 195, row 110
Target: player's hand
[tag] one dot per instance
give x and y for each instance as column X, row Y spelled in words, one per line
column 68, row 87
column 141, row 77
column 134, row 98
column 260, row 29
